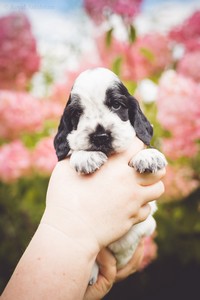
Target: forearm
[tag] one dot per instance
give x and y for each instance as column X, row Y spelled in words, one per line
column 55, row 265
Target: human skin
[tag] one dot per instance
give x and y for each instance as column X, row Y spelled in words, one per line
column 83, row 215
column 108, row 273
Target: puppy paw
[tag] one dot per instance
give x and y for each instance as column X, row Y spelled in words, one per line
column 86, row 162
column 148, row 160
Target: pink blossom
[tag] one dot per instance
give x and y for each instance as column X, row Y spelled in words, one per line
column 61, row 90
column 100, row 10
column 109, row 54
column 189, row 65
column 150, row 251
column 18, row 55
column 179, row 112
column 179, row 182
column 51, row 110
column 19, row 113
column 147, row 56
column 14, row 161
column 43, row 157
column 188, row 33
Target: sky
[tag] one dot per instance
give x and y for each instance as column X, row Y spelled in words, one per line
column 69, row 5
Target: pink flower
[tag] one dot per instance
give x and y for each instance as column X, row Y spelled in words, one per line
column 19, row 113
column 189, row 65
column 43, row 157
column 51, row 110
column 179, row 182
column 188, row 33
column 179, row 112
column 14, row 161
column 109, row 54
column 100, row 10
column 150, row 252
column 147, row 56
column 18, row 54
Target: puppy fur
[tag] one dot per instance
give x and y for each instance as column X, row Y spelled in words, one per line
column 102, row 118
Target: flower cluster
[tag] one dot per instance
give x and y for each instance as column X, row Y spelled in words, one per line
column 19, row 113
column 19, row 59
column 44, row 156
column 101, row 10
column 146, row 57
column 179, row 112
column 15, row 161
column 188, row 33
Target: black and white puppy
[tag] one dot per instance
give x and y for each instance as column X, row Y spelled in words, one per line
column 102, row 118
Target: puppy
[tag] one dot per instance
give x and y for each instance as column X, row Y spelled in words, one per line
column 102, row 118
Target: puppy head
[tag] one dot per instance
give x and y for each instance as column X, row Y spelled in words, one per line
column 100, row 115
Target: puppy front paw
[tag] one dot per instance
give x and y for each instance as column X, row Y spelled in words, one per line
column 86, row 162
column 148, row 160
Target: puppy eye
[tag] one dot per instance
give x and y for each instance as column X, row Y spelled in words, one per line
column 116, row 105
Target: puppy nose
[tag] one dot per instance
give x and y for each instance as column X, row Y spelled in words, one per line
column 100, row 138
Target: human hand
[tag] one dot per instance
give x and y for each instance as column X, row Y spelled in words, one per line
column 100, row 208
column 108, row 273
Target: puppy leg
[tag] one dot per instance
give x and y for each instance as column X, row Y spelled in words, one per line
column 148, row 160
column 86, row 162
column 94, row 274
column 125, row 247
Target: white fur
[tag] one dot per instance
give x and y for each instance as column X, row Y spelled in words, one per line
column 91, row 86
column 148, row 159
column 87, row 161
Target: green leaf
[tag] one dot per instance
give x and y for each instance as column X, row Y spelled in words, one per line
column 109, row 38
column 132, row 34
column 147, row 54
column 116, row 67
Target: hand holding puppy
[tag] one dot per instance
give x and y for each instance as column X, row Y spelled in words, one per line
column 103, row 206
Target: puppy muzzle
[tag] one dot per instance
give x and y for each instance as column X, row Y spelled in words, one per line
column 101, row 140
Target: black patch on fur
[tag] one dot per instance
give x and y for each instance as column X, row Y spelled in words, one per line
column 68, row 122
column 117, row 102
column 143, row 129
column 129, row 109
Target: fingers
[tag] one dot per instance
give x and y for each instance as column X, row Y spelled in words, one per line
column 143, row 213
column 107, row 269
column 145, row 179
column 106, row 278
column 153, row 192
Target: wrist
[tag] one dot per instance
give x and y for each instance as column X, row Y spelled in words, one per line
column 72, row 227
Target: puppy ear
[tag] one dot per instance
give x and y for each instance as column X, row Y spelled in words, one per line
column 143, row 129
column 60, row 141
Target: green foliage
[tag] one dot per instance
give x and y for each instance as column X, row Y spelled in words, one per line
column 21, row 207
column 116, row 67
column 179, row 229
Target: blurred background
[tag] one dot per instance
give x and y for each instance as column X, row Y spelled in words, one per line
column 154, row 47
